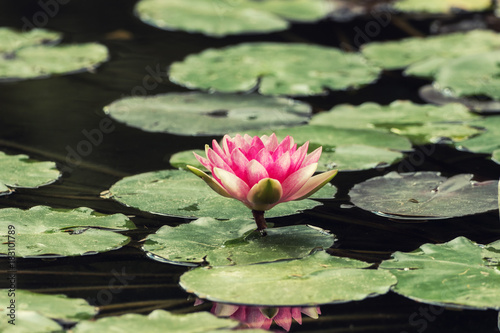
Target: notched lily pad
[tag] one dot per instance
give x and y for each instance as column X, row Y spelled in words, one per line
column 180, row 193
column 45, row 231
column 208, row 114
column 458, row 273
column 274, row 69
column 320, row 278
column 233, row 242
column 158, row 321
column 425, row 195
column 21, row 171
column 221, row 18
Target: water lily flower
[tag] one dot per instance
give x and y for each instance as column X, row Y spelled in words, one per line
column 261, row 172
column 263, row 317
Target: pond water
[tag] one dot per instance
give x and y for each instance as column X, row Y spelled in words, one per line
column 48, row 118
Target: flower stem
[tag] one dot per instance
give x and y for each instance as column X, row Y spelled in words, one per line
column 258, row 216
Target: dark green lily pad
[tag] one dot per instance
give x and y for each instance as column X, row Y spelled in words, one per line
column 31, row 322
column 208, row 114
column 436, row 132
column 158, row 321
column 221, row 18
column 180, row 193
column 459, row 273
column 233, row 242
column 320, row 278
column 357, row 157
column 442, row 6
column 21, row 171
column 50, row 306
column 471, row 75
column 489, row 141
column 425, row 56
column 45, row 231
column 425, row 195
column 13, row 40
column 274, row 69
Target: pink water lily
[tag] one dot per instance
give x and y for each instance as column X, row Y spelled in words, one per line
column 261, row 172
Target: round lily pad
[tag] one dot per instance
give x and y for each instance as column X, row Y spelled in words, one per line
column 471, row 75
column 45, row 231
column 425, row 56
column 13, row 40
column 459, row 273
column 221, row 18
column 357, row 157
column 442, row 6
column 208, row 114
column 274, row 69
column 320, row 278
column 180, row 193
column 158, row 321
column 21, row 171
column 233, row 242
column 425, row 195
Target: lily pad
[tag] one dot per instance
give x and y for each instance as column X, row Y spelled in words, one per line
column 180, row 193
column 320, row 278
column 425, row 195
column 13, row 40
column 442, row 6
column 58, row 307
column 274, row 69
column 21, row 171
column 471, row 75
column 45, row 231
column 436, row 132
column 457, row 273
column 31, row 322
column 489, row 141
column 357, row 157
column 425, row 56
column 208, row 114
column 158, row 321
column 233, row 242
column 221, row 18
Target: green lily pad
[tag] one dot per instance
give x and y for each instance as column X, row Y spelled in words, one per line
column 21, row 171
column 158, row 321
column 442, row 6
column 320, row 278
column 221, row 18
column 455, row 273
column 274, row 68
column 43, row 231
column 180, row 193
column 425, row 56
column 13, row 40
column 51, row 306
column 357, row 157
column 207, row 114
column 489, row 141
column 425, row 195
column 496, row 156
column 31, row 322
column 471, row 75
column 233, row 242
column 420, row 123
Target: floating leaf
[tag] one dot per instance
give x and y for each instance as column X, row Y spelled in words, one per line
column 180, row 193
column 233, row 242
column 158, row 321
column 21, row 171
column 496, row 156
column 357, row 157
column 208, row 114
column 455, row 273
column 13, row 40
column 320, row 278
column 274, row 68
column 425, row 195
column 52, row 306
column 471, row 75
column 442, row 6
column 435, row 132
column 425, row 56
column 221, row 18
column 45, row 231
column 31, row 322
column 488, row 141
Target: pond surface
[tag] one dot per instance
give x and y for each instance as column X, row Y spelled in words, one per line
column 48, row 118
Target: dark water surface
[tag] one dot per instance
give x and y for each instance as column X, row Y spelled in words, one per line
column 47, row 118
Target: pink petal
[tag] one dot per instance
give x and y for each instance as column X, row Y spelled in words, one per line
column 298, row 157
column 227, row 144
column 218, row 150
column 284, row 318
column 271, row 143
column 206, row 163
column 312, row 157
column 285, row 144
column 279, row 169
column 296, row 314
column 240, row 142
column 255, row 172
column 248, row 139
column 236, row 187
column 257, row 143
column 213, row 183
column 251, row 153
column 296, row 180
column 239, row 164
column 256, row 319
column 217, row 161
column 264, row 158
column 312, row 185
column 240, row 314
